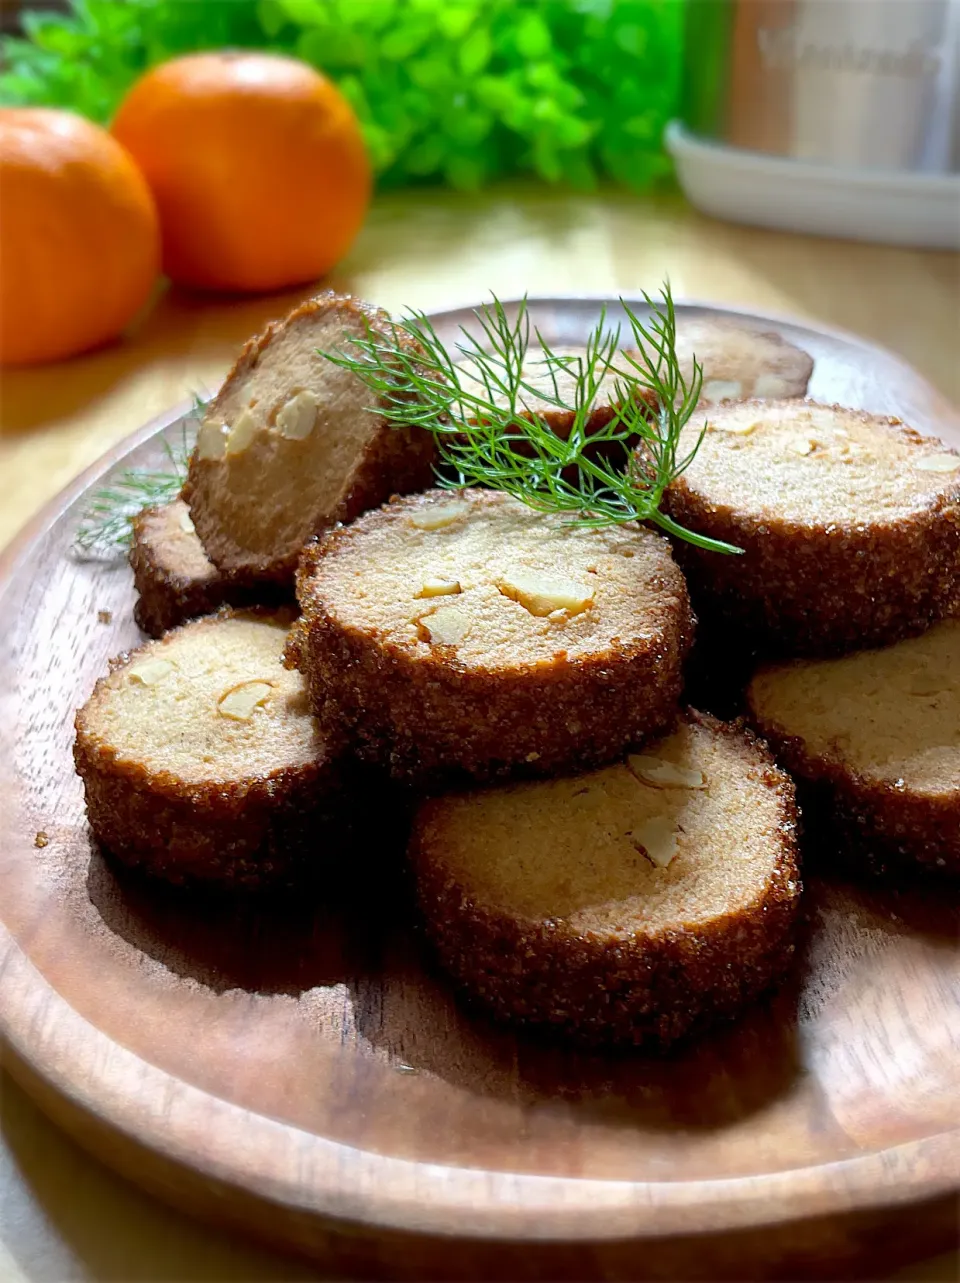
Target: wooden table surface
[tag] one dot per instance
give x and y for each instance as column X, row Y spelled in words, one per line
column 62, row 1217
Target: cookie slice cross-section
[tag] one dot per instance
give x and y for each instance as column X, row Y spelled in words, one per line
column 632, row 904
column 740, row 361
column 849, row 524
column 175, row 579
column 292, row 444
column 462, row 634
column 201, row 761
column 875, row 737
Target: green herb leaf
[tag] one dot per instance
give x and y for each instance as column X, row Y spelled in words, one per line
column 475, row 401
column 475, row 52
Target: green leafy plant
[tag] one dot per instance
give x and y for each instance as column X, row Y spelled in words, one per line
column 458, row 91
column 477, row 401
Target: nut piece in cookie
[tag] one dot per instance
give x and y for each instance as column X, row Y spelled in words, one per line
column 629, row 905
column 551, row 646
column 739, row 361
column 876, row 738
column 292, row 444
column 174, row 578
column 849, row 522
column 201, row 761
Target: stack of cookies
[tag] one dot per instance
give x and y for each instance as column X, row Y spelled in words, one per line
column 592, row 855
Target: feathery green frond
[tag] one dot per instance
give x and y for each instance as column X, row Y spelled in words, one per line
column 477, row 400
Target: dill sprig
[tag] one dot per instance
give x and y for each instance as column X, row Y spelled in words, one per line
column 479, row 400
column 104, row 528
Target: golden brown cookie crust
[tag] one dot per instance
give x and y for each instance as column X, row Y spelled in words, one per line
column 878, row 821
column 228, row 499
column 175, row 583
column 426, row 715
column 607, row 989
column 261, row 828
column 821, row 588
column 872, row 826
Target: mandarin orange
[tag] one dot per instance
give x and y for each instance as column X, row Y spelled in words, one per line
column 257, row 165
column 79, row 240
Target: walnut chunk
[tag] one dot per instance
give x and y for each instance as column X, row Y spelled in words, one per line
column 439, row 588
column 242, row 433
column 212, row 441
column 445, row 626
column 736, row 428
column 801, row 445
column 721, row 390
column 297, row 418
column 938, row 463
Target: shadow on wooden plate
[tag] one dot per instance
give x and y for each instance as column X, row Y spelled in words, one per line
column 404, row 1007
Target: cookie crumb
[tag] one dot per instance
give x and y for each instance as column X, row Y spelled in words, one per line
column 105, row 616
column 41, row 840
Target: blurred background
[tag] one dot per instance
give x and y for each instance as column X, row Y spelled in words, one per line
column 467, row 91
column 454, row 91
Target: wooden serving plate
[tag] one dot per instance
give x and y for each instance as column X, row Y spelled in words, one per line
column 303, row 1073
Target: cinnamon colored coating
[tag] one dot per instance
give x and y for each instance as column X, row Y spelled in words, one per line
column 509, row 691
column 254, row 507
column 544, row 908
column 848, row 539
column 874, row 738
column 174, row 578
column 181, row 791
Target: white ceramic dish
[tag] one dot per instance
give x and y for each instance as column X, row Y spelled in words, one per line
column 896, row 208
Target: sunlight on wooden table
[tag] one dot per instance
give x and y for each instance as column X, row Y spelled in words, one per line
column 62, row 1216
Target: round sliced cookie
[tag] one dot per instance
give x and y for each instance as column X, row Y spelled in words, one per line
column 461, row 633
column 291, row 444
column 740, row 361
column 849, row 525
column 201, row 761
column 174, row 578
column 876, row 738
column 629, row 905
